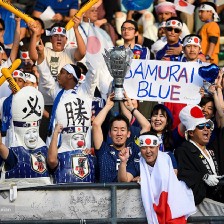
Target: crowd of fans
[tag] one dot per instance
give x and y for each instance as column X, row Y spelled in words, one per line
column 63, row 123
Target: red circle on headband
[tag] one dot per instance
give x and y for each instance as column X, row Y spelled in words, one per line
column 15, row 73
column 196, row 40
column 59, row 29
column 24, row 55
column 148, row 141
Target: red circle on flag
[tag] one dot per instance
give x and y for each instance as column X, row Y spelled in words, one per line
column 196, row 112
column 148, row 141
column 182, row 3
column 93, row 45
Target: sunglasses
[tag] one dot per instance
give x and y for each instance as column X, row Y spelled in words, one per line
column 202, row 126
column 170, row 29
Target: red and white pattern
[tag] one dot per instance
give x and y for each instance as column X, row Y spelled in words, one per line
column 19, row 74
column 24, row 55
column 184, row 6
column 56, row 30
column 191, row 116
column 174, row 23
column 148, row 140
column 192, row 40
column 165, row 198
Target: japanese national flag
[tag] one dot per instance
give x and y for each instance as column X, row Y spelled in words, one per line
column 165, row 198
column 96, row 43
column 184, row 6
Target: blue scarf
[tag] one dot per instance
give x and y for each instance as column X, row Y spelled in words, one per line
column 7, row 114
column 55, row 105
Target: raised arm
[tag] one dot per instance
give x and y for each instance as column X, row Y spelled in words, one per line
column 125, row 111
column 46, row 80
column 4, row 151
column 80, row 52
column 98, row 121
column 16, row 41
column 144, row 123
column 90, row 83
column 33, row 41
column 217, row 94
column 52, row 158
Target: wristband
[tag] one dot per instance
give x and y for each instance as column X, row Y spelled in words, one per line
column 207, row 57
column 133, row 110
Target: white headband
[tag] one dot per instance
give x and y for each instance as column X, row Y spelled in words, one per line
column 56, row 30
column 148, row 140
column 205, row 7
column 174, row 23
column 19, row 74
column 31, row 77
column 192, row 40
column 162, row 24
column 71, row 70
column 24, row 55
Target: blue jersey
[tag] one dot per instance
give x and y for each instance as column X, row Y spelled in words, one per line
column 108, row 161
column 23, row 163
column 61, row 7
column 74, row 166
column 140, row 52
column 162, row 53
column 10, row 25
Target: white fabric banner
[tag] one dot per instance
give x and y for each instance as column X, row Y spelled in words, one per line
column 184, row 6
column 96, row 44
column 152, row 80
column 164, row 197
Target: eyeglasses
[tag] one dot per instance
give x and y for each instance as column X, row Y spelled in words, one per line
column 176, row 30
column 127, row 28
column 202, row 126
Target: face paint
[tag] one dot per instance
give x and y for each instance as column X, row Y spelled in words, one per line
column 31, row 138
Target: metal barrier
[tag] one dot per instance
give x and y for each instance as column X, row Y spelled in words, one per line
column 113, row 219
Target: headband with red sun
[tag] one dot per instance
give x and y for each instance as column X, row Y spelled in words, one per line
column 148, row 140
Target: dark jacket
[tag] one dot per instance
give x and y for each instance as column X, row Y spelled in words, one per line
column 192, row 166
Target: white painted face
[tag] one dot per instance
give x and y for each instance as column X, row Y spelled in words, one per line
column 78, row 141
column 31, row 138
